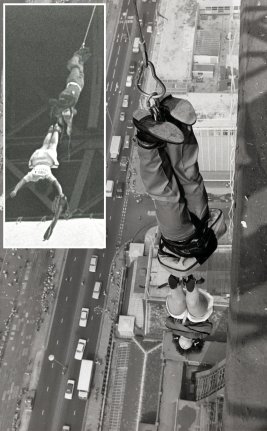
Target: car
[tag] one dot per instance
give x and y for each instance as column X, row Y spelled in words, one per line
column 149, row 28
column 84, row 317
column 30, row 398
column 122, row 116
column 119, row 190
column 80, row 349
column 124, row 163
column 126, row 143
column 132, row 67
column 97, row 290
column 69, row 389
column 125, row 102
column 66, row 428
column 93, row 263
column 129, row 81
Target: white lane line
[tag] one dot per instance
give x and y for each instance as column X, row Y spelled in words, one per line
column 66, row 299
column 100, row 274
column 61, row 320
column 116, row 61
column 52, row 365
column 57, row 341
column 107, row 86
column 103, row 254
column 43, row 412
column 113, row 73
column 110, row 217
column 74, row 412
column 47, row 388
column 119, row 49
column 111, row 86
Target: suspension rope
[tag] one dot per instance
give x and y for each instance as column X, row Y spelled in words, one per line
column 88, row 27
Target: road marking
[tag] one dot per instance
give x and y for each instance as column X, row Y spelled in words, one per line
column 103, row 254
column 47, row 388
column 119, row 49
column 100, row 274
column 110, row 217
column 66, row 298
column 61, row 321
column 43, row 412
column 113, row 73
column 116, row 61
column 57, row 341
column 52, row 365
column 74, row 412
column 111, row 86
column 107, row 86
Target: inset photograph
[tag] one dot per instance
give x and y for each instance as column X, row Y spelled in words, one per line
column 54, row 126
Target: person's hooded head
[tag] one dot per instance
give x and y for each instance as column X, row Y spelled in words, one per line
column 185, row 343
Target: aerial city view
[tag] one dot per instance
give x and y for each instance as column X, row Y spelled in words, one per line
column 135, row 334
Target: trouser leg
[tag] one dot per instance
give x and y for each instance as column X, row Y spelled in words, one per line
column 176, row 301
column 197, row 303
column 183, row 159
column 160, row 183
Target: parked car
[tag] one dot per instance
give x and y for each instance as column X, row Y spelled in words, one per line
column 129, row 81
column 93, row 263
column 125, row 102
column 30, row 398
column 80, row 349
column 66, row 428
column 124, row 163
column 122, row 116
column 149, row 28
column 126, row 143
column 69, row 389
column 132, row 67
column 97, row 290
column 84, row 317
column 120, row 190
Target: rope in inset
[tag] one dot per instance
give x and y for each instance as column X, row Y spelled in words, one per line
column 88, row 27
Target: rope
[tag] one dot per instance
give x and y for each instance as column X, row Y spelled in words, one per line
column 88, row 27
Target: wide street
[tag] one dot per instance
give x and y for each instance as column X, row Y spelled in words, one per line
column 51, row 411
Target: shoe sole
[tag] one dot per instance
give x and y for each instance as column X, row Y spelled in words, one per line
column 184, row 266
column 180, row 109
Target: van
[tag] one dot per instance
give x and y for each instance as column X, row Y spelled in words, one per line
column 109, row 188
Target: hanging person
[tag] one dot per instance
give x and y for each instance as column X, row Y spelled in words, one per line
column 41, row 162
column 189, row 309
column 63, row 108
column 168, row 153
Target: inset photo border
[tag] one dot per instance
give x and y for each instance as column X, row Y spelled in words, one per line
column 54, row 125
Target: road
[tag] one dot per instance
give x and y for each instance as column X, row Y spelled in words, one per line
column 51, row 410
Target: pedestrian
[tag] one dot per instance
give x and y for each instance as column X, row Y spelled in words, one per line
column 168, row 153
column 41, row 163
column 189, row 309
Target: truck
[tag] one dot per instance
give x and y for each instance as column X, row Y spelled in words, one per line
column 136, row 44
column 109, row 188
column 115, row 148
column 85, row 378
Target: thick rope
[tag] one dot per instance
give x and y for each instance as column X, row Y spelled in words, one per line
column 88, row 27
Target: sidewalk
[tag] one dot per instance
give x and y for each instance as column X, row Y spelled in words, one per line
column 94, row 409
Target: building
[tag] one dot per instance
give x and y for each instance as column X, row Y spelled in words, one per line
column 220, row 7
column 207, row 47
column 200, row 71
